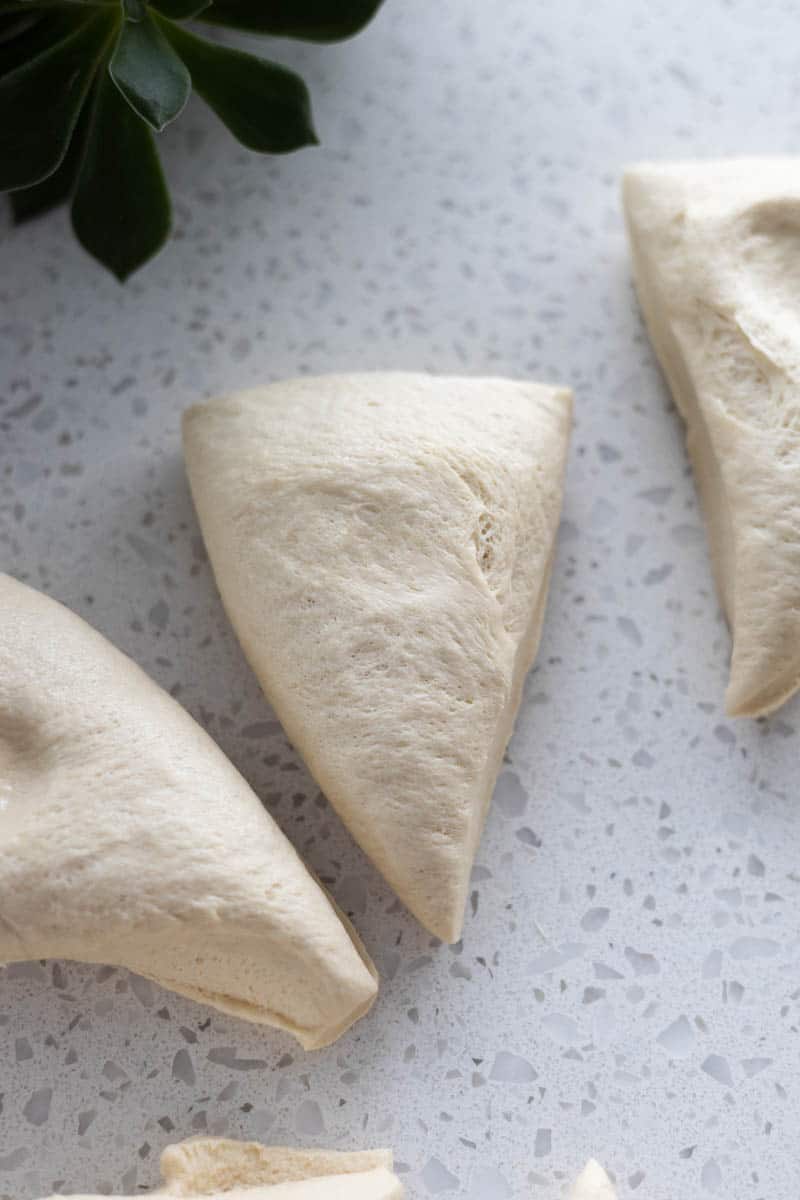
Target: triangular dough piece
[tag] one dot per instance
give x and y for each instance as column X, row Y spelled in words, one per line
column 716, row 251
column 217, row 1167
column 383, row 545
column 592, row 1184
column 127, row 837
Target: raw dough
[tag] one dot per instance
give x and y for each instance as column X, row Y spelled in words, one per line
column 217, row 1167
column 127, row 837
column 592, row 1184
column 716, row 251
column 383, row 546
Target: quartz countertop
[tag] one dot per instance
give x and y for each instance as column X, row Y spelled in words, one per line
column 627, row 984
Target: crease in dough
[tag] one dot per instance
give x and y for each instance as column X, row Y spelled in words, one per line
column 127, row 837
column 716, row 254
column 383, row 545
column 221, row 1167
column 593, row 1184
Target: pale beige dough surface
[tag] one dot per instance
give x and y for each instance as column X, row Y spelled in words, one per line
column 593, row 1184
column 383, row 545
column 217, row 1167
column 716, row 252
column 127, row 837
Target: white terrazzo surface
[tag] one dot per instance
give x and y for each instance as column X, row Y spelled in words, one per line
column 629, row 980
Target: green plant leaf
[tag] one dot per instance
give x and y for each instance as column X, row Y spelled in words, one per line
column 14, row 25
column 312, row 20
column 35, row 32
column 121, row 210
column 27, row 203
column 149, row 73
column 17, row 32
column 181, row 10
column 265, row 106
column 41, row 100
column 23, row 6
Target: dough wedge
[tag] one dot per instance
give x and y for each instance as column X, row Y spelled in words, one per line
column 127, row 837
column 219, row 1167
column 383, row 546
column 716, row 254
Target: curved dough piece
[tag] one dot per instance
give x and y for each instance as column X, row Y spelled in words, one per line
column 217, row 1167
column 127, row 837
column 716, row 252
column 383, row 545
column 592, row 1184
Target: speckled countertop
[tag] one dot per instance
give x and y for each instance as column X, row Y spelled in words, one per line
column 628, row 981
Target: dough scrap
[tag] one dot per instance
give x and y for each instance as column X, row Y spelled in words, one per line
column 592, row 1184
column 127, row 837
column 219, row 1167
column 716, row 253
column 383, row 545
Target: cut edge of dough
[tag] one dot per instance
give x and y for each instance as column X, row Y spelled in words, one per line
column 260, row 1015
column 208, row 1166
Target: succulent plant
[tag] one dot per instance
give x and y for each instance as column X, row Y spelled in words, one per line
column 85, row 85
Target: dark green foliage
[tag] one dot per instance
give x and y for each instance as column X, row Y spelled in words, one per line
column 83, row 83
column 180, row 10
column 313, row 21
column 41, row 100
column 151, row 77
column 266, row 107
column 121, row 209
column 29, row 202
